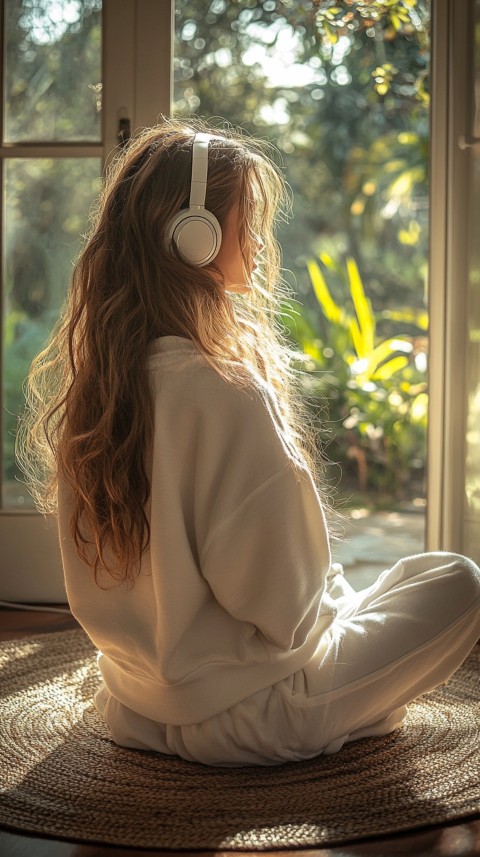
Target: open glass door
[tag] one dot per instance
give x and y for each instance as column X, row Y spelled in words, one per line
column 472, row 427
column 454, row 440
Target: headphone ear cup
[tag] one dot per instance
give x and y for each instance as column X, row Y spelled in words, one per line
column 196, row 234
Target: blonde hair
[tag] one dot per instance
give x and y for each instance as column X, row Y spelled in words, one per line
column 89, row 414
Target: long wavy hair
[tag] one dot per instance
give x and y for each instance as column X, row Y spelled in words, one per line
column 89, row 413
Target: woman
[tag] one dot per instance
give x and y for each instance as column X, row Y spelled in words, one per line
column 167, row 425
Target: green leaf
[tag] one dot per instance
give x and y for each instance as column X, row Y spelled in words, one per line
column 330, row 263
column 408, row 316
column 366, row 319
column 391, row 367
column 385, row 350
column 324, row 298
column 357, row 340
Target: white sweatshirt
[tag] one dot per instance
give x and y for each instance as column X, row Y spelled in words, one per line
column 230, row 597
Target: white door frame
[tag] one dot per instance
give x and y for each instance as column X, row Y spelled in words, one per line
column 450, row 171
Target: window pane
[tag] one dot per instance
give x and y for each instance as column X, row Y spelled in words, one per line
column 53, row 70
column 46, row 210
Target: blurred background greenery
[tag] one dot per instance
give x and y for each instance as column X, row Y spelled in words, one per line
column 342, row 91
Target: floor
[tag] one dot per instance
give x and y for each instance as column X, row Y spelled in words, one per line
column 371, row 543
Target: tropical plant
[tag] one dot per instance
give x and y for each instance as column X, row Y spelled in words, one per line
column 375, row 387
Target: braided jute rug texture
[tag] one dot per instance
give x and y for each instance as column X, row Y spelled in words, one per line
column 62, row 776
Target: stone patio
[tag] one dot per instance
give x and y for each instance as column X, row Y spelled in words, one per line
column 374, row 541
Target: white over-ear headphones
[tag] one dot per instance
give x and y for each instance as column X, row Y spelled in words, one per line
column 194, row 231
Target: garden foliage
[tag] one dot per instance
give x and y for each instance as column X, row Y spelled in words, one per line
column 374, row 387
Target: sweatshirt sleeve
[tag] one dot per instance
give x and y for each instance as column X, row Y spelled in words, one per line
column 266, row 556
column 267, row 562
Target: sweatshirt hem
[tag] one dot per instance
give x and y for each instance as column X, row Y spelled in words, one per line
column 184, row 705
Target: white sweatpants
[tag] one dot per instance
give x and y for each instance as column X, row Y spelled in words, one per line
column 398, row 638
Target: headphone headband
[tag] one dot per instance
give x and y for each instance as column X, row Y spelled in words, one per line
column 198, row 187
column 195, row 232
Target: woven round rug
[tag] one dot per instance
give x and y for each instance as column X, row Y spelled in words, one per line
column 62, row 776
